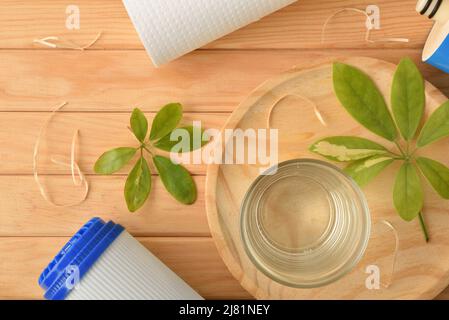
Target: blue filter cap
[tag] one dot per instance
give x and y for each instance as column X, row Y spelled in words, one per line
column 436, row 50
column 77, row 256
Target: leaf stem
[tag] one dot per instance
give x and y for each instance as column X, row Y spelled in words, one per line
column 400, row 149
column 396, row 156
column 423, row 227
column 413, row 152
column 148, row 150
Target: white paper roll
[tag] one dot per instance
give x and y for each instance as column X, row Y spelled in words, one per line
column 171, row 28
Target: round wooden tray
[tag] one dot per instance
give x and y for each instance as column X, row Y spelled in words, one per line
column 421, row 269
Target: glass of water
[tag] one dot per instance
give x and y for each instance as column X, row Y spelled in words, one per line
column 305, row 223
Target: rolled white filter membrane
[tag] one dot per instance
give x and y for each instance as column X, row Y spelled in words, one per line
column 171, row 28
column 128, row 271
column 102, row 261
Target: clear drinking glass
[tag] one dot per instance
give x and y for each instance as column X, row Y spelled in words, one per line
column 305, row 223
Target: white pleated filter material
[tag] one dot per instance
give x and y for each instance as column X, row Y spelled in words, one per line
column 128, row 271
column 171, row 28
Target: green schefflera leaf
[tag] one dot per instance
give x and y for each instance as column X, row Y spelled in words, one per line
column 407, row 97
column 166, row 120
column 186, row 135
column 437, row 174
column 345, row 148
column 436, row 127
column 407, row 192
column 361, row 98
column 176, row 179
column 113, row 160
column 363, row 171
column 138, row 185
column 139, row 124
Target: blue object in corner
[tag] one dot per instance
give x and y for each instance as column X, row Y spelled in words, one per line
column 440, row 58
column 436, row 49
column 79, row 253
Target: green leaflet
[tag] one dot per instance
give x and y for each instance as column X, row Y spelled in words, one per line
column 346, row 148
column 113, row 160
column 138, row 185
column 436, row 173
column 176, row 180
column 361, row 98
column 407, row 192
column 166, row 120
column 182, row 133
column 139, row 124
column 407, row 97
column 436, row 127
column 363, row 171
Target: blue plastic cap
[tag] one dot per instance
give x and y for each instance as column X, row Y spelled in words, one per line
column 436, row 49
column 80, row 252
column 440, row 58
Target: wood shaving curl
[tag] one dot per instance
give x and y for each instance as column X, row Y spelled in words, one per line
column 315, row 108
column 63, row 43
column 368, row 31
column 78, row 176
column 395, row 252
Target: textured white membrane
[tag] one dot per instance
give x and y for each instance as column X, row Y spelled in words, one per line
column 128, row 271
column 172, row 28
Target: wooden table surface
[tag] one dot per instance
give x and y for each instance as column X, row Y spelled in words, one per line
column 102, row 86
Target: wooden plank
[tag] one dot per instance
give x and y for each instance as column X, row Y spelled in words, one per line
column 98, row 132
column 296, row 26
column 212, row 81
column 116, row 81
column 300, row 25
column 194, row 259
column 25, row 213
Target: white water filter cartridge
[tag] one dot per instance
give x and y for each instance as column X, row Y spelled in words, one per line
column 171, row 28
column 436, row 49
column 102, row 261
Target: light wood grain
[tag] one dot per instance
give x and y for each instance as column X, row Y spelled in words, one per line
column 25, row 213
column 204, row 81
column 195, row 260
column 102, row 87
column 300, row 25
column 421, row 270
column 296, row 26
column 98, row 132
